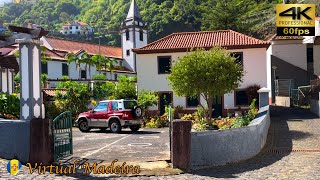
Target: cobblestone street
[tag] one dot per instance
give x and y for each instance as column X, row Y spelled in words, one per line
column 292, row 152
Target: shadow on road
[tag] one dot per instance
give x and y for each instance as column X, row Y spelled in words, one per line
column 125, row 132
column 279, row 144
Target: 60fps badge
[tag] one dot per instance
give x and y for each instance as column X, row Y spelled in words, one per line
column 295, row 19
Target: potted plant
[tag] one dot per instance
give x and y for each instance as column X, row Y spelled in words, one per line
column 179, row 110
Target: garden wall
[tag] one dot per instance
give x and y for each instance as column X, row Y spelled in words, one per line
column 15, row 139
column 219, row 147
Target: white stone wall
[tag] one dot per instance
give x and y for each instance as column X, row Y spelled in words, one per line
column 293, row 52
column 316, row 59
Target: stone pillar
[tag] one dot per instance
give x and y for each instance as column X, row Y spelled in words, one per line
column 263, row 97
column 30, row 71
column 181, row 144
column 4, row 80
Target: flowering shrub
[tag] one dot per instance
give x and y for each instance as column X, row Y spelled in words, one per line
column 157, row 121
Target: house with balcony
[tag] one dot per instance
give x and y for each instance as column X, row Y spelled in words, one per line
column 77, row 28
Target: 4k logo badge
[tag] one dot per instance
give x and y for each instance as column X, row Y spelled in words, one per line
column 295, row 19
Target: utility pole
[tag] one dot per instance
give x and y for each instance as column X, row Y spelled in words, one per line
column 99, row 51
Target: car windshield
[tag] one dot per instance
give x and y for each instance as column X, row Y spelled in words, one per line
column 102, row 106
column 130, row 104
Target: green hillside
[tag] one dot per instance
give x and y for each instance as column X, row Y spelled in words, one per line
column 253, row 17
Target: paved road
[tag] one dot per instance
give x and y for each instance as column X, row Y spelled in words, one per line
column 292, row 152
column 144, row 145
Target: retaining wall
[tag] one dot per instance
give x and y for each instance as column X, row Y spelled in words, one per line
column 219, row 147
column 15, row 139
column 315, row 106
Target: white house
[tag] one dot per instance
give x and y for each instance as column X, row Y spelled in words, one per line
column 294, row 58
column 79, row 28
column 154, row 62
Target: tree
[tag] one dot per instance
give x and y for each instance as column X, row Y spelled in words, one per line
column 72, row 58
column 147, row 99
column 75, row 99
column 102, row 61
column 99, row 90
column 126, row 88
column 208, row 73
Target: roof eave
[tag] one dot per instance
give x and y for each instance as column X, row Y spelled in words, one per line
column 152, row 51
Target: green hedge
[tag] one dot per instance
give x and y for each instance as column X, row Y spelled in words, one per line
column 9, row 106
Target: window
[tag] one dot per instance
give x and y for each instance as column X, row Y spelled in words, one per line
column 70, row 27
column 78, row 32
column 44, row 68
column 164, row 64
column 115, row 77
column 129, row 104
column 83, row 74
column 310, row 54
column 77, row 27
column 70, row 32
column 102, row 106
column 192, row 101
column 141, row 35
column 239, row 57
column 115, row 106
column 241, row 98
column 127, row 35
column 65, row 69
column 128, row 52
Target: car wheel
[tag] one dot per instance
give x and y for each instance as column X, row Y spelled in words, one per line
column 137, row 112
column 84, row 126
column 115, row 126
column 135, row 128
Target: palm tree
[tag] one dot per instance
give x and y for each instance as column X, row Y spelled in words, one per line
column 86, row 59
column 102, row 61
column 96, row 60
column 74, row 58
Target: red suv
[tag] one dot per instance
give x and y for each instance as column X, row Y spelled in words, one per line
column 112, row 114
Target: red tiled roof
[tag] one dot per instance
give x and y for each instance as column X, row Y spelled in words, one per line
column 121, row 70
column 6, row 50
column 275, row 37
column 74, row 46
column 78, row 23
column 52, row 91
column 182, row 42
column 9, row 62
column 52, row 54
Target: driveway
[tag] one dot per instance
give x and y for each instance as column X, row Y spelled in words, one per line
column 144, row 145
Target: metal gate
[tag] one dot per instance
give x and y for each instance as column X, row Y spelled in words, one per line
column 62, row 136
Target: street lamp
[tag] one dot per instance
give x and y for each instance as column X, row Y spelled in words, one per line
column 274, row 71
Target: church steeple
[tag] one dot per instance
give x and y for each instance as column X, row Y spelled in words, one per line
column 133, row 11
column 134, row 34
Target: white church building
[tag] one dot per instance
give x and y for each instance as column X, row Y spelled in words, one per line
column 133, row 35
